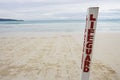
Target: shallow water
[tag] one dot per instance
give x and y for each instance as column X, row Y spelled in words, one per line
column 56, row 26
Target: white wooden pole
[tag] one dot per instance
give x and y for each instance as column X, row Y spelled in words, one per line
column 91, row 20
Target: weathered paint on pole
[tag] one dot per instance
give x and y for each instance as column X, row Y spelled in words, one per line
column 89, row 34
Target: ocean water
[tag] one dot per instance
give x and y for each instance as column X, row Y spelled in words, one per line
column 57, row 26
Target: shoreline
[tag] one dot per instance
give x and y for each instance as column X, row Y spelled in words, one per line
column 7, row 34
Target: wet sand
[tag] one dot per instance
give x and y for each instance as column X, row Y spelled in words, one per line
column 57, row 57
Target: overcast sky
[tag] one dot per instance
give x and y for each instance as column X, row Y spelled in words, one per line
column 57, row 9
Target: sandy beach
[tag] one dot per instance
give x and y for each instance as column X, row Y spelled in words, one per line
column 57, row 56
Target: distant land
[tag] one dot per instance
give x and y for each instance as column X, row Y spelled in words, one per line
column 1, row 19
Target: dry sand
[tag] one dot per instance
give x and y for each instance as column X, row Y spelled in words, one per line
column 57, row 57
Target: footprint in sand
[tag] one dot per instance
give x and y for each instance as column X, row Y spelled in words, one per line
column 100, row 71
